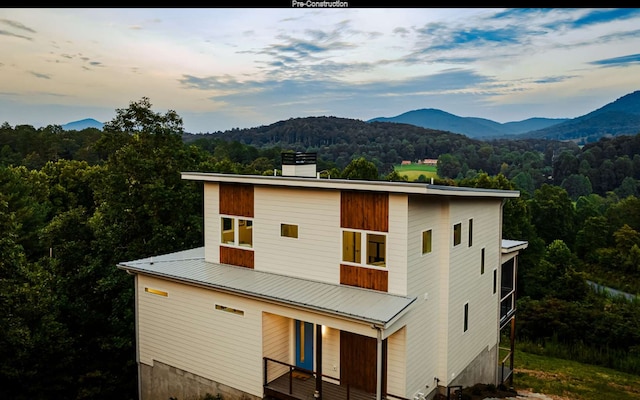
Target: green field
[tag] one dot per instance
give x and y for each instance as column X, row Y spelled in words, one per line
column 569, row 380
column 414, row 171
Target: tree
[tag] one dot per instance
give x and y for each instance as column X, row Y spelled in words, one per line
column 576, row 186
column 553, row 214
column 360, row 168
column 448, row 166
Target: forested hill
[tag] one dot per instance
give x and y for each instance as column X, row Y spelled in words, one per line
column 339, row 140
column 621, row 117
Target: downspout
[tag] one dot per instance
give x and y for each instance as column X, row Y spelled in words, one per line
column 318, row 392
column 378, row 363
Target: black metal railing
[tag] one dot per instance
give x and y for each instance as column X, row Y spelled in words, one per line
column 283, row 381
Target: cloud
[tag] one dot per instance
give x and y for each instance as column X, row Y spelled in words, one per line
column 17, row 25
column 7, row 33
column 39, row 75
column 617, row 61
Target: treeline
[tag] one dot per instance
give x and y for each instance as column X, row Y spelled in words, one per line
column 600, row 167
column 74, row 204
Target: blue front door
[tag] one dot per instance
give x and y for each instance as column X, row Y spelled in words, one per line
column 304, row 345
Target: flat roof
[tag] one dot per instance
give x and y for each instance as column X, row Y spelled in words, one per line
column 350, row 184
column 348, row 302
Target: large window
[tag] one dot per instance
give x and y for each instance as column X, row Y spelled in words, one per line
column 457, row 234
column 375, row 245
column 236, row 231
column 426, row 242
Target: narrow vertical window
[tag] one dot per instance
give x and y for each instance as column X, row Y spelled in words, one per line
column 470, row 232
column 466, row 317
column 426, row 242
column 482, row 262
column 495, row 281
column 457, row 234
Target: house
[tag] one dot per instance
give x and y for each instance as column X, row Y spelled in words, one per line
column 429, row 161
column 310, row 288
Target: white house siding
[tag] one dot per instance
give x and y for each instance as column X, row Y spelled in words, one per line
column 397, row 363
column 315, row 254
column 331, row 352
column 185, row 330
column 396, row 244
column 424, row 279
column 276, row 333
column 211, row 222
column 469, row 286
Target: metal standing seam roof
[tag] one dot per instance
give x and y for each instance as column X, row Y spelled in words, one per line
column 189, row 266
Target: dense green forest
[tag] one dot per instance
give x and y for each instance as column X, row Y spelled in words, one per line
column 75, row 203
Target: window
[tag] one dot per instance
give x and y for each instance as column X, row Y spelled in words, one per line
column 457, row 234
column 236, row 231
column 287, row 230
column 426, row 242
column 229, row 309
column 466, row 317
column 482, row 262
column 156, row 291
column 375, row 245
column 495, row 280
column 470, row 232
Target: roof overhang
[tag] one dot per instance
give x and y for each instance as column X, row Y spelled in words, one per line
column 349, row 184
column 375, row 308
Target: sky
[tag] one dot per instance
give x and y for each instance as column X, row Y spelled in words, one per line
column 225, row 68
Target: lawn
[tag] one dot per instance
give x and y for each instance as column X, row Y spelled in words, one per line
column 570, row 380
column 413, row 171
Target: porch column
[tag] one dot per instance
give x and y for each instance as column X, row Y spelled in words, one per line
column 379, row 366
column 319, row 361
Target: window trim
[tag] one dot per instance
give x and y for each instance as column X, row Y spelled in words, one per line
column 364, row 249
column 238, row 222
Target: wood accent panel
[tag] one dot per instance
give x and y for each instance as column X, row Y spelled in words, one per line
column 358, row 362
column 235, row 256
column 367, row 278
column 364, row 210
column 236, row 199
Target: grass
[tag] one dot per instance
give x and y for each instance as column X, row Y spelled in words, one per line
column 414, row 171
column 570, row 380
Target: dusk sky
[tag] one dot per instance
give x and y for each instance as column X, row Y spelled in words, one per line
column 223, row 68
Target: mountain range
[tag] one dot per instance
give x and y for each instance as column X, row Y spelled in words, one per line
column 620, row 117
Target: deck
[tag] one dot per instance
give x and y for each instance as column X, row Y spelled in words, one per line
column 296, row 385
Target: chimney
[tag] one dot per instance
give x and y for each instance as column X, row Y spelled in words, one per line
column 299, row 164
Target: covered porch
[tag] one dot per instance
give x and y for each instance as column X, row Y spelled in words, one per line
column 319, row 360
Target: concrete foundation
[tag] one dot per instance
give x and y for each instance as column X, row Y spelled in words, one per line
column 164, row 382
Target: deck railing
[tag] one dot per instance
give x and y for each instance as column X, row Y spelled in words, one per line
column 276, row 372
